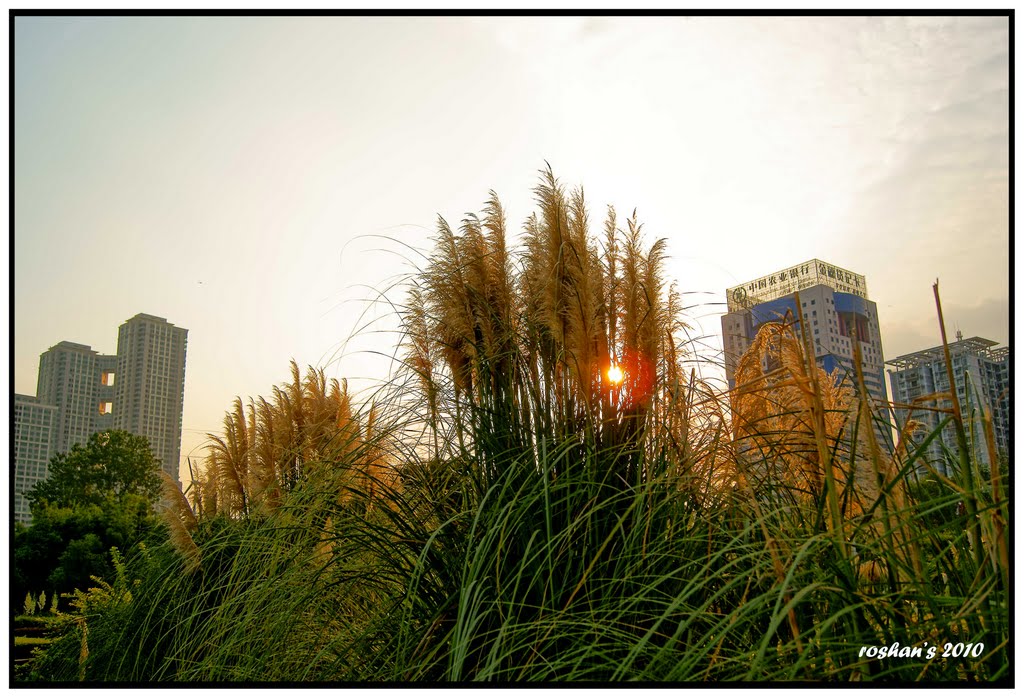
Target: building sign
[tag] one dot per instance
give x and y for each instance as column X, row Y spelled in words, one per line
column 793, row 279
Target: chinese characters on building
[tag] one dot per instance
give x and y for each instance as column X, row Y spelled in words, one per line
column 792, row 279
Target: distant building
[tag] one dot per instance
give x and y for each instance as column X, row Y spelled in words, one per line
column 69, row 379
column 32, row 447
column 835, row 307
column 80, row 392
column 978, row 365
column 150, row 385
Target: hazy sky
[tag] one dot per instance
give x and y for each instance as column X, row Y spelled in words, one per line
column 254, row 180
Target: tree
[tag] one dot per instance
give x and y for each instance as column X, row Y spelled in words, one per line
column 98, row 496
column 110, row 466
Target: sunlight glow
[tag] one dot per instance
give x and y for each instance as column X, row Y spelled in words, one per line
column 615, row 375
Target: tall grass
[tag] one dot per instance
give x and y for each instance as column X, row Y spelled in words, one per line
column 515, row 512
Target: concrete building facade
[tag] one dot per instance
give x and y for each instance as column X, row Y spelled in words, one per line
column 32, row 444
column 69, row 377
column 835, row 308
column 80, row 392
column 150, row 384
column 106, row 369
column 981, row 372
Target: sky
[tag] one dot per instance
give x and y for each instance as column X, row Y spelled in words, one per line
column 270, row 183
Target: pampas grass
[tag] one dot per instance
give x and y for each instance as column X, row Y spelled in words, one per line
column 511, row 513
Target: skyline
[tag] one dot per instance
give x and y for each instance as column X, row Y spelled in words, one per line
column 250, row 179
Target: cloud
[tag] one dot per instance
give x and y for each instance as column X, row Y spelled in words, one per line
column 933, row 191
column 988, row 318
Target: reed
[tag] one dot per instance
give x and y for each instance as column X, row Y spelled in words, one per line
column 546, row 495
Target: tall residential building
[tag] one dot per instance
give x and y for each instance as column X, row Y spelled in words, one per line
column 80, row 392
column 150, row 384
column 69, row 379
column 835, row 307
column 32, row 446
column 978, row 365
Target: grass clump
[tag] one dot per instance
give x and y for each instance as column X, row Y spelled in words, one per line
column 551, row 496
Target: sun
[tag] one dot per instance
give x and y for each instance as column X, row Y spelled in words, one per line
column 615, row 375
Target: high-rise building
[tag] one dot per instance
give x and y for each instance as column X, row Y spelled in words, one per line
column 150, row 384
column 80, row 392
column 32, row 446
column 981, row 372
column 69, row 379
column 836, row 311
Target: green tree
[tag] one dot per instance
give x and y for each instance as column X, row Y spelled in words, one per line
column 110, row 466
column 97, row 497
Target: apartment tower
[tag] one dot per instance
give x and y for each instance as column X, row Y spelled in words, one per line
column 32, row 445
column 80, row 392
column 150, row 385
column 981, row 373
column 70, row 378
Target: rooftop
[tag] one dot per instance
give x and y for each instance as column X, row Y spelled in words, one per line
column 151, row 318
column 146, row 316
column 974, row 345
column 795, row 278
column 72, row 346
